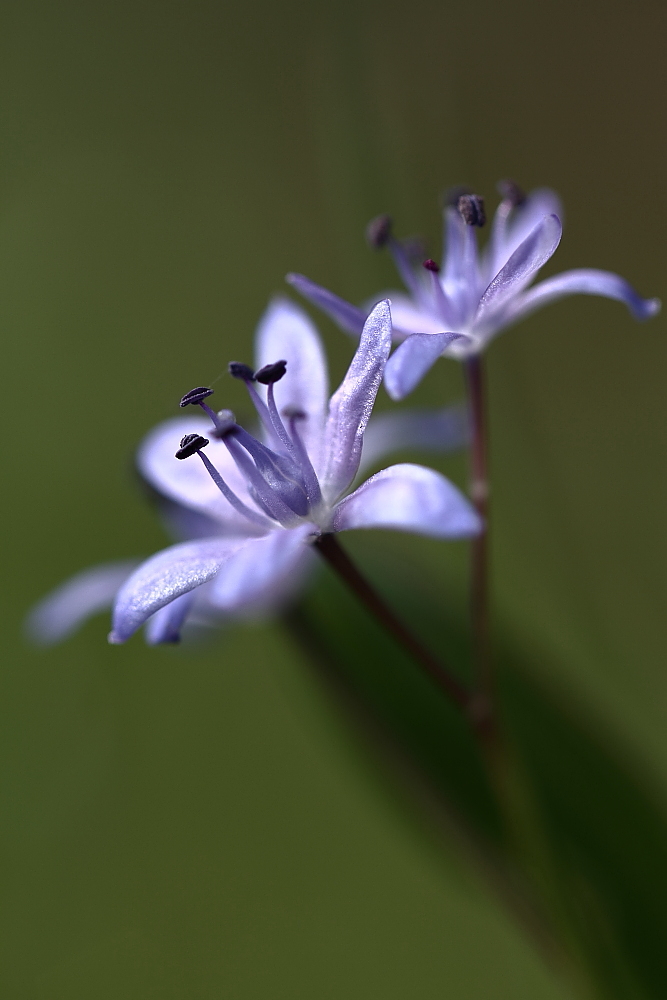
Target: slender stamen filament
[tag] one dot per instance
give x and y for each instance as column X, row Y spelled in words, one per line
column 230, row 496
column 442, row 302
column 310, row 479
column 276, row 422
column 211, row 413
column 263, row 413
column 245, row 373
column 270, row 499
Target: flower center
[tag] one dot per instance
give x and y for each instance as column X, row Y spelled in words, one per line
column 280, row 479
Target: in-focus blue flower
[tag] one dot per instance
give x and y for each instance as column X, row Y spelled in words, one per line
column 475, row 295
column 250, row 507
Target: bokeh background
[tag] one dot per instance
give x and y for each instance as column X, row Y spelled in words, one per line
column 213, row 822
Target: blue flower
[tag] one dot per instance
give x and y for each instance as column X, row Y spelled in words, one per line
column 454, row 311
column 249, row 508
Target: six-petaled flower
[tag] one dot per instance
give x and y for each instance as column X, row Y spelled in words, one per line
column 250, row 507
column 455, row 310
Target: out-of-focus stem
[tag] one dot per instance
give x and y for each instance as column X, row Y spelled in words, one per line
column 479, row 569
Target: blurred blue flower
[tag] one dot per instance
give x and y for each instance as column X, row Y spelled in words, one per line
column 250, row 508
column 474, row 295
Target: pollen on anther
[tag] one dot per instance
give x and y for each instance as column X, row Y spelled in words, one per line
column 431, row 265
column 378, row 231
column 195, row 396
column 471, row 209
column 190, row 445
column 238, row 370
column 271, row 373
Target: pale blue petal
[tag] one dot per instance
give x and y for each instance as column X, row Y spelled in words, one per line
column 287, row 333
column 407, row 317
column 62, row 611
column 583, row 281
column 264, row 572
column 412, row 360
column 509, row 233
column 187, row 481
column 460, row 275
column 352, row 403
column 409, row 498
column 164, row 577
column 424, row 430
column 166, row 624
column 520, row 269
column 184, row 524
column 348, row 317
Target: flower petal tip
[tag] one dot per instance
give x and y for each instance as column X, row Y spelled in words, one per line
column 114, row 639
column 651, row 308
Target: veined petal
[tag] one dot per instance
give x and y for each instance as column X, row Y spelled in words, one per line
column 286, row 332
column 409, row 498
column 519, row 270
column 412, row 359
column 352, row 403
column 164, row 577
column 583, row 281
column 61, row 612
column 166, row 624
column 348, row 317
column 426, row 430
column 264, row 571
column 407, row 317
column 187, row 482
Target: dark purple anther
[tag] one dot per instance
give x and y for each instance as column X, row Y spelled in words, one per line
column 511, row 193
column 378, row 231
column 471, row 208
column 431, row 265
column 196, row 396
column 190, row 445
column 271, row 373
column 238, row 370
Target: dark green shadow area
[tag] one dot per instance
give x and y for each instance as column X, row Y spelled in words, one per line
column 603, row 826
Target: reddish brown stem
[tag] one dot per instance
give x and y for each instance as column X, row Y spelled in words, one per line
column 338, row 559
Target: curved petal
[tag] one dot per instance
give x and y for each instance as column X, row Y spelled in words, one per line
column 408, row 318
column 511, row 229
column 584, row 281
column 264, row 572
column 187, row 482
column 427, row 430
column 163, row 578
column 287, row 332
column 60, row 613
column 409, row 498
column 166, row 624
column 412, row 359
column 348, row 317
column 519, row 270
column 352, row 403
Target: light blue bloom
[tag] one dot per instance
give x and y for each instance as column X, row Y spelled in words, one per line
column 475, row 295
column 249, row 508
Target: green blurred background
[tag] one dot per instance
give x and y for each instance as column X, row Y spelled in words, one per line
column 208, row 823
